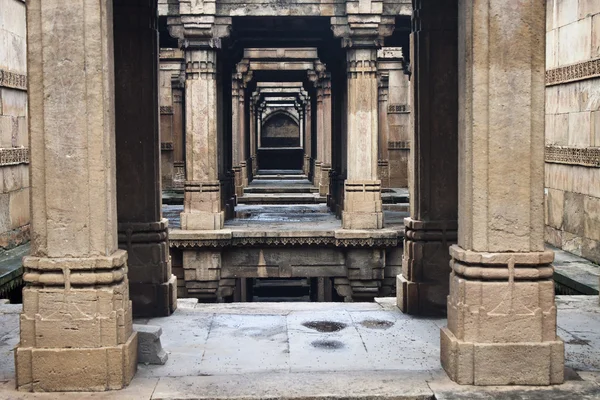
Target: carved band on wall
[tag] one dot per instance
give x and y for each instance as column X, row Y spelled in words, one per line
column 571, row 73
column 397, row 109
column 588, row 157
column 400, row 145
column 166, row 146
column 13, row 80
column 14, row 156
column 166, row 110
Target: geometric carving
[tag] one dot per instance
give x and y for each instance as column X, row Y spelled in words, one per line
column 397, row 109
column 14, row 156
column 589, row 157
column 399, row 145
column 279, row 241
column 13, row 80
column 571, row 73
column 166, row 110
column 166, row 146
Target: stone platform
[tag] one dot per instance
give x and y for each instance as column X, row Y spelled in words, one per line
column 319, row 351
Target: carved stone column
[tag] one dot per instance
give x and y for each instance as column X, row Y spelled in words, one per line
column 76, row 332
column 178, row 87
column 326, row 135
column 307, row 138
column 318, row 157
column 236, row 137
column 422, row 287
column 142, row 230
column 501, row 310
column 202, row 196
column 252, row 134
column 383, row 170
column 362, row 189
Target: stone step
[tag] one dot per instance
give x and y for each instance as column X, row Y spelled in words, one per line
column 300, row 198
column 281, row 189
column 284, row 177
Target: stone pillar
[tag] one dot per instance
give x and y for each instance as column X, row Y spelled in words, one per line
column 307, row 138
column 202, row 196
column 383, row 165
column 326, row 135
column 431, row 229
column 252, row 134
column 318, row 157
column 142, row 230
column 242, row 139
column 76, row 332
column 501, row 310
column 362, row 189
column 178, row 134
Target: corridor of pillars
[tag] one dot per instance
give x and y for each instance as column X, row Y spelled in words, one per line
column 231, row 108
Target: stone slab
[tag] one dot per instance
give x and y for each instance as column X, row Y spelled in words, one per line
column 298, row 386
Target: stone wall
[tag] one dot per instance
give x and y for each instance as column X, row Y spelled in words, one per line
column 14, row 141
column 573, row 126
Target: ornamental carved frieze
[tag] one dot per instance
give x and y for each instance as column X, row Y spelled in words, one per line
column 166, row 110
column 399, row 145
column 166, row 146
column 13, row 80
column 571, row 73
column 14, row 156
column 284, row 242
column 588, row 157
column 398, row 109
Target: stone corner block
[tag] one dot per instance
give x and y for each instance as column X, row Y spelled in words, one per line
column 149, row 348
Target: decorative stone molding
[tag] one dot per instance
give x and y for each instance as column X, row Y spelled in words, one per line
column 13, row 80
column 166, row 110
column 398, row 109
column 400, row 145
column 166, row 146
column 283, row 242
column 14, row 156
column 588, row 157
column 572, row 73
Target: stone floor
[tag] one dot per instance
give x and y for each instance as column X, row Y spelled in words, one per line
column 319, row 351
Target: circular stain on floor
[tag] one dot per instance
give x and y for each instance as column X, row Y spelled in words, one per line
column 325, row 326
column 327, row 344
column 377, row 324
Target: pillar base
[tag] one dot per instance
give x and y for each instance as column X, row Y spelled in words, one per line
column 502, row 320
column 362, row 205
column 383, row 173
column 149, row 267
column 76, row 369
column 324, row 182
column 306, row 166
column 425, row 270
column 202, row 221
column 317, row 173
column 414, row 298
column 469, row 363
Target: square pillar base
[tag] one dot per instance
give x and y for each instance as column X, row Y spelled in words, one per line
column 419, row 298
column 362, row 205
column 467, row 363
column 202, row 220
column 77, row 370
column 154, row 299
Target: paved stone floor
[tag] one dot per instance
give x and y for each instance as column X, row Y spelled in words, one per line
column 318, row 351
